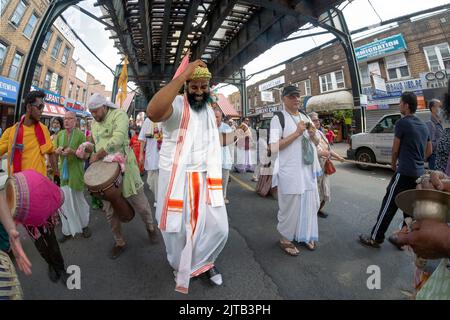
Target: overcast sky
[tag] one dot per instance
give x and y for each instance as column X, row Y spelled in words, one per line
column 358, row 14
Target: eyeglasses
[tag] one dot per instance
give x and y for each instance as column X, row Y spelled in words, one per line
column 39, row 106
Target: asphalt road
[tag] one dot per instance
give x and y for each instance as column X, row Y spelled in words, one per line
column 252, row 264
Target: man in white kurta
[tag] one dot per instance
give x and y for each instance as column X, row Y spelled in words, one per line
column 190, row 209
column 149, row 135
column 298, row 196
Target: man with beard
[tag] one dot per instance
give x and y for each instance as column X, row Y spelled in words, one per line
column 110, row 136
column 191, row 212
column 27, row 143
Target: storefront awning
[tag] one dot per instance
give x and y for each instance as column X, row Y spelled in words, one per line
column 227, row 108
column 52, row 110
column 338, row 100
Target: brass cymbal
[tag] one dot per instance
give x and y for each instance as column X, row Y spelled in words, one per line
column 432, row 204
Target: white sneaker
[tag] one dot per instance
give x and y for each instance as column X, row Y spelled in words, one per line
column 215, row 276
column 154, row 204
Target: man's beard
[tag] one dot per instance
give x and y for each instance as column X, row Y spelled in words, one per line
column 198, row 105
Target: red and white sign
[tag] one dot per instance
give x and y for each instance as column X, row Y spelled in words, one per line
column 53, row 110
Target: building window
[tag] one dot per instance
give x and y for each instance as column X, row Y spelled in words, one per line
column 56, row 47
column 84, row 94
column 332, row 81
column 28, row 31
column 48, row 79
column 48, row 36
column 15, row 66
column 364, row 74
column 70, row 89
column 18, row 13
column 37, row 75
column 438, row 57
column 77, row 93
column 65, row 55
column 397, row 66
column 3, row 4
column 59, row 84
column 3, row 49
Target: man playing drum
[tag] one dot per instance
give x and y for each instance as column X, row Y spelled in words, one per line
column 110, row 135
column 27, row 143
column 75, row 210
column 190, row 209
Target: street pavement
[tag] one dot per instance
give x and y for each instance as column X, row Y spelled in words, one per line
column 252, row 264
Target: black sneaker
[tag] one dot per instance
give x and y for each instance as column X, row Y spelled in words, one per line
column 214, row 276
column 322, row 214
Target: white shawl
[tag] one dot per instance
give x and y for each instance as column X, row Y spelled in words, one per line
column 171, row 218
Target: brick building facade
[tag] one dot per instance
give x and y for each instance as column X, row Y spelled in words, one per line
column 400, row 57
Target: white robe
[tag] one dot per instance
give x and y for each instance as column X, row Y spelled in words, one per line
column 74, row 212
column 298, row 196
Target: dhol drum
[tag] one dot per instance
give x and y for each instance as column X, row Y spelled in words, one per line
column 10, row 288
column 104, row 181
column 32, row 198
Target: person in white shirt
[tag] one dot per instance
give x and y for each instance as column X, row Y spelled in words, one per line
column 227, row 160
column 299, row 167
column 151, row 137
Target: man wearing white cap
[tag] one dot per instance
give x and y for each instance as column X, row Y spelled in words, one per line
column 110, row 135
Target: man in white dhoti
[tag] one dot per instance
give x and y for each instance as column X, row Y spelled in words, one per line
column 151, row 137
column 246, row 149
column 75, row 209
column 190, row 211
column 298, row 197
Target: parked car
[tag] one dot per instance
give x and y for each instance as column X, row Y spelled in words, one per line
column 375, row 146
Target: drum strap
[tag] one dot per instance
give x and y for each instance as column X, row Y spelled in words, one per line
column 17, row 148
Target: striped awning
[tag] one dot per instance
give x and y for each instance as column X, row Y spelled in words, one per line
column 52, row 110
column 226, row 107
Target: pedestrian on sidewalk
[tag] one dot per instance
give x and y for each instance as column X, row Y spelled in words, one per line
column 412, row 145
column 435, row 129
column 325, row 153
column 34, row 137
column 298, row 196
column 151, row 139
column 109, row 133
column 75, row 209
column 191, row 211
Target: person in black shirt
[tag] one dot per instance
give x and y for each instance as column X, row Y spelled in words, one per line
column 412, row 145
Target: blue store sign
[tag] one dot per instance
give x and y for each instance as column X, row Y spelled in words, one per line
column 8, row 90
column 51, row 97
column 380, row 48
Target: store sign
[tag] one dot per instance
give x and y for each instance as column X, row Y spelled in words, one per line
column 394, row 90
column 8, row 90
column 380, row 48
column 72, row 105
column 267, row 96
column 272, row 83
column 438, row 79
column 268, row 109
column 379, row 84
column 51, row 97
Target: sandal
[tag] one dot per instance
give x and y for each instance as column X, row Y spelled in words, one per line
column 368, row 242
column 289, row 248
column 311, row 246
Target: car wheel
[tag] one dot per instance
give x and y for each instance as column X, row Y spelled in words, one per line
column 365, row 155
